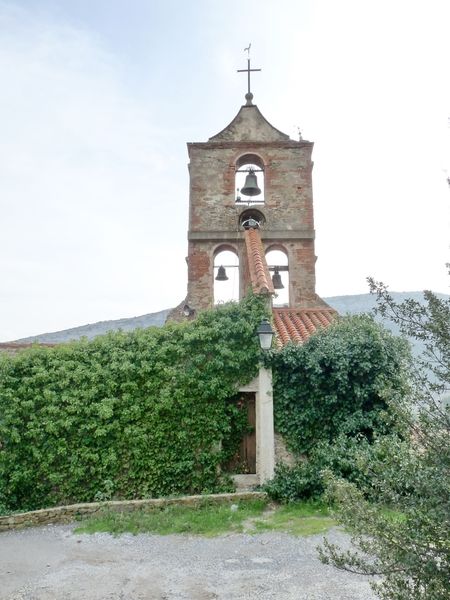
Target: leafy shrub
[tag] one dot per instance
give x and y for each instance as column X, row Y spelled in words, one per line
column 290, row 484
column 127, row 414
column 349, row 458
column 338, row 382
column 331, row 402
column 408, row 545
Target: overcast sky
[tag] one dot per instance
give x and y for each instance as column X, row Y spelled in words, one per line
column 99, row 97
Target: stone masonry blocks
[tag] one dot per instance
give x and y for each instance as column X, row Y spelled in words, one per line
column 288, row 208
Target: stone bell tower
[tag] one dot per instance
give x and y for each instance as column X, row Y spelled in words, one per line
column 251, row 197
column 216, row 215
column 273, row 212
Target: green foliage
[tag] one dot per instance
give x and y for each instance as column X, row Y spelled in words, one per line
column 401, row 529
column 249, row 516
column 305, row 479
column 408, row 545
column 331, row 402
column 237, row 427
column 291, row 484
column 207, row 519
column 125, row 415
column 297, row 518
column 337, row 382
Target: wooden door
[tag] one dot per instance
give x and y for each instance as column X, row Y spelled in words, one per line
column 248, row 444
column 244, row 457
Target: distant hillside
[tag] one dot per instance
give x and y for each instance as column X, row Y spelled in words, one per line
column 93, row 330
column 361, row 303
column 353, row 304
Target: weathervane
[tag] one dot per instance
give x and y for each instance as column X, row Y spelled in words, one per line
column 248, row 70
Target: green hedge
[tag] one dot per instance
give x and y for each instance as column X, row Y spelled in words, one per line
column 339, row 381
column 146, row 413
column 332, row 400
column 127, row 414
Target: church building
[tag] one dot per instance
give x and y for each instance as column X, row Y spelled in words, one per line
column 251, row 226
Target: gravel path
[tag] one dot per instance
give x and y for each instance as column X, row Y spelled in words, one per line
column 52, row 563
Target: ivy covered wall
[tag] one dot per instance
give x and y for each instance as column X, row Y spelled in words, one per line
column 126, row 415
column 148, row 413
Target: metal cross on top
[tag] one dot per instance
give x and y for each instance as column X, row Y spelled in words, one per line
column 248, row 70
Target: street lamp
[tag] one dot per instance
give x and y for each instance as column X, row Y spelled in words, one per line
column 265, row 334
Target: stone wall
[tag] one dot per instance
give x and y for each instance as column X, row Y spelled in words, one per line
column 214, row 216
column 66, row 514
column 283, row 456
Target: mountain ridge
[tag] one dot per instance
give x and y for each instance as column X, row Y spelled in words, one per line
column 347, row 304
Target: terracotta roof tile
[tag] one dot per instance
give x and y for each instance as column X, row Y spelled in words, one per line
column 259, row 271
column 297, row 324
column 13, row 347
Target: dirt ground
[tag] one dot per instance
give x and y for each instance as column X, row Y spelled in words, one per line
column 53, row 563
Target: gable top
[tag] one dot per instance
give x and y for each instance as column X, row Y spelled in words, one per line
column 249, row 125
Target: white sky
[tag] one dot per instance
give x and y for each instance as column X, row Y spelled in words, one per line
column 98, row 99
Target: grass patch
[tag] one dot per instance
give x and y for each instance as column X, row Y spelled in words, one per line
column 393, row 515
column 299, row 518
column 208, row 519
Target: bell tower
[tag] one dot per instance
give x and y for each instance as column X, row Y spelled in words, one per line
column 251, row 197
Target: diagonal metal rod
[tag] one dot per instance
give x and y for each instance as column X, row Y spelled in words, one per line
column 225, row 266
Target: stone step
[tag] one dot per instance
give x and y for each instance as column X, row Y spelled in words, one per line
column 245, row 482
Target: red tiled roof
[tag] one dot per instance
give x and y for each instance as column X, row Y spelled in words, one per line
column 297, row 324
column 259, row 271
column 12, row 347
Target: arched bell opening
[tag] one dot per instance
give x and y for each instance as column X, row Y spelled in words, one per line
column 251, row 218
column 278, row 263
column 226, row 275
column 249, row 180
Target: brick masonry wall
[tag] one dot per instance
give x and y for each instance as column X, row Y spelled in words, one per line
column 288, row 186
column 288, row 208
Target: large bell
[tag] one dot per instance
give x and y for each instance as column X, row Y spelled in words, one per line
column 251, row 185
column 276, row 280
column 221, row 274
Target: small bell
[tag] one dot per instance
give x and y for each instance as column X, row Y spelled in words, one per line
column 276, row 280
column 221, row 274
column 251, row 185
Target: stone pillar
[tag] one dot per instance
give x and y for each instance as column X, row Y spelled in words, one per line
column 265, row 442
